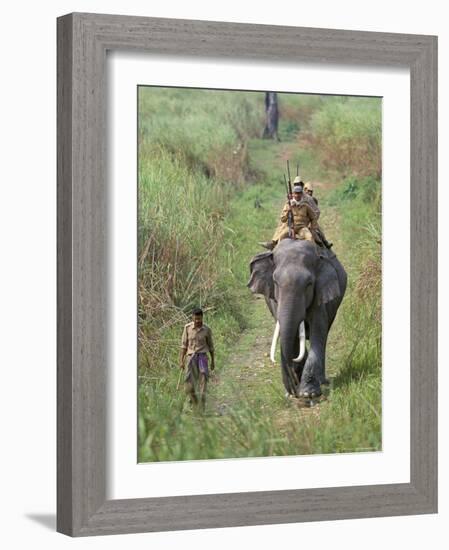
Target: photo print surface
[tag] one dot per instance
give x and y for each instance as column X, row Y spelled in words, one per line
column 259, row 274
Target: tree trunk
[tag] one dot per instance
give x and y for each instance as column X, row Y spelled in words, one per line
column 271, row 116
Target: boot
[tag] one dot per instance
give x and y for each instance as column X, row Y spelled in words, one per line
column 269, row 245
column 322, row 240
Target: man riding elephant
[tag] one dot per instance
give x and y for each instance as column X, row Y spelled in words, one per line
column 313, row 201
column 307, row 197
column 308, row 190
column 305, row 219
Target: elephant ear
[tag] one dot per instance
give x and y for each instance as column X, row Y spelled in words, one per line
column 261, row 279
column 327, row 287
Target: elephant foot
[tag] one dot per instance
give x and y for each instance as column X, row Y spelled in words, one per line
column 289, row 395
column 310, row 389
column 310, row 395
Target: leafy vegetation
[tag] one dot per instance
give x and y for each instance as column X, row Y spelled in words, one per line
column 347, row 134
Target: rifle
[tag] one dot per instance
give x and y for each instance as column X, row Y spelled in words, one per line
column 289, row 179
column 291, row 229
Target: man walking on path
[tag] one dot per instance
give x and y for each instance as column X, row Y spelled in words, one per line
column 196, row 343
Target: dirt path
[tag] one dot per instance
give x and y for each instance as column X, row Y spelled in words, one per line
column 249, row 378
column 248, row 367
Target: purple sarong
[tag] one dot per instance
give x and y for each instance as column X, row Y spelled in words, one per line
column 200, row 361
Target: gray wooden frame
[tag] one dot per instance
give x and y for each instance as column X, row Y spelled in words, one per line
column 83, row 40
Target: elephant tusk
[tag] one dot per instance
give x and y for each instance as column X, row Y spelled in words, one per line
column 274, row 341
column 302, row 343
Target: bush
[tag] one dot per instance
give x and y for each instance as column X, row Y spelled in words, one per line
column 366, row 190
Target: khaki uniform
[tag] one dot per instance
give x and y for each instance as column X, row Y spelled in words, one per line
column 313, row 203
column 304, row 222
column 197, row 341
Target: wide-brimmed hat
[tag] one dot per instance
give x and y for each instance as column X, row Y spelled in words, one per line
column 297, row 180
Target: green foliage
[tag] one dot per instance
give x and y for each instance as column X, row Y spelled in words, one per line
column 350, row 189
column 359, row 374
column 288, row 130
column 347, row 134
column 366, row 189
column 206, row 129
column 296, row 110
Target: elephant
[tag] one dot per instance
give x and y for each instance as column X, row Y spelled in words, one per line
column 303, row 286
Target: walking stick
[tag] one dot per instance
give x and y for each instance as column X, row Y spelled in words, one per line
column 179, row 379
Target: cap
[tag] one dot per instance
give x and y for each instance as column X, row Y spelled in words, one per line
column 297, row 189
column 297, row 180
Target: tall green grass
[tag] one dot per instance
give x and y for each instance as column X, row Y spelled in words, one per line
column 347, row 134
column 358, row 381
column 205, row 129
column 192, row 160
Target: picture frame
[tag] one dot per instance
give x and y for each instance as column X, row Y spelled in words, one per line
column 83, row 40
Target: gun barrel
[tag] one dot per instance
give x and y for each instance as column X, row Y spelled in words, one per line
column 289, row 178
column 290, row 214
column 286, row 185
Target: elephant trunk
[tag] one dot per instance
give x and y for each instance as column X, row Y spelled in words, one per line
column 291, row 320
column 287, row 338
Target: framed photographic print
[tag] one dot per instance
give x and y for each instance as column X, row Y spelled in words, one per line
column 222, row 187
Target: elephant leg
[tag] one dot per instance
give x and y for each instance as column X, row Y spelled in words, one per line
column 307, row 326
column 322, row 376
column 313, row 374
column 310, row 385
column 299, row 367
